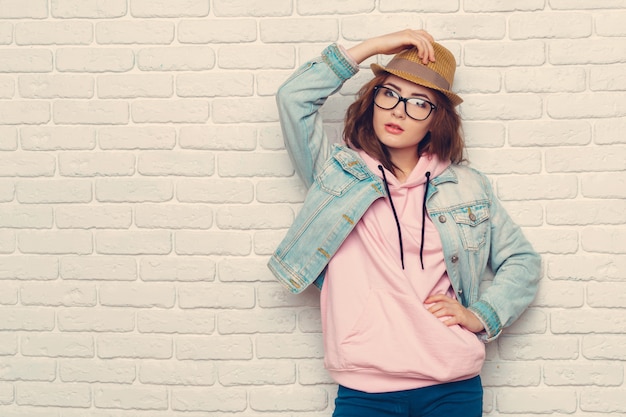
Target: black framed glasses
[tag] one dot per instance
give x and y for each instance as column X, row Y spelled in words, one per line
column 416, row 108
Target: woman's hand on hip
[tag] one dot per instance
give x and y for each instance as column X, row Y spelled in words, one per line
column 441, row 305
column 395, row 42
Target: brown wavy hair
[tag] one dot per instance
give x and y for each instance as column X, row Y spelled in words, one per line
column 444, row 138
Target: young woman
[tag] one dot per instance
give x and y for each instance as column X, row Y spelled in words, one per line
column 397, row 234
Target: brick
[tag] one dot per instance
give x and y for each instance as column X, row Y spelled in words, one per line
column 8, row 344
column 7, row 85
column 134, row 190
column 302, row 399
column 477, row 80
column 27, row 165
column 90, row 112
column 288, row 190
column 559, row 294
column 525, row 214
column 253, row 217
column 256, row 8
column 7, row 191
column 164, row 8
column 132, row 137
column 533, row 321
column 586, row 159
column 29, row 267
column 30, row 319
column 550, row 25
column 16, row 9
column 58, row 345
column 467, row 26
column 559, row 241
column 80, row 164
column 90, row 370
column 604, row 185
column 176, row 322
column 248, row 110
column 256, row 57
column 88, row 8
column 537, row 187
column 504, row 54
column 289, row 346
column 606, row 294
column 134, row 32
column 175, row 111
column 537, row 400
column 24, row 112
column 583, row 374
column 56, row 86
column 36, row 217
column 607, row 78
column 215, row 85
column 582, row 4
column 597, row 320
column 549, row 133
column 137, row 295
column 154, row 242
column 191, row 164
column 510, row 161
column 598, row 51
column 214, row 348
column 586, row 212
column 218, row 137
column 134, row 346
column 299, row 30
column 93, row 217
column 250, row 322
column 53, row 191
column 7, row 241
column 208, row 296
column 54, row 33
column 179, row 268
column 177, row 373
column 212, row 243
column 310, row 321
column 217, row 31
column 603, row 239
column 254, row 165
column 215, row 191
column 58, row 294
column 586, row 267
column 187, row 58
column 312, row 372
column 95, row 320
column 265, row 372
column 510, row 374
column 545, row 80
column 221, row 399
column 25, row 60
column 6, row 33
column 174, row 216
column 114, row 268
column 610, row 24
column 606, row 400
column 244, row 270
column 484, row 134
column 130, row 398
column 523, row 348
column 444, row 6
column 53, row 395
column 135, row 85
column 94, row 59
column 52, row 138
column 18, row 369
column 589, row 105
column 268, row 82
column 502, row 107
column 55, row 242
column 604, row 347
column 509, row 6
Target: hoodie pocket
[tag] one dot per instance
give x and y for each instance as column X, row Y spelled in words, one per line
column 395, row 334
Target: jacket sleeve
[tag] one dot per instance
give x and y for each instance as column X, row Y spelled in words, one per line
column 299, row 100
column 517, row 270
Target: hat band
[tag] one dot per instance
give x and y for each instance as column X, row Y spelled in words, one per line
column 421, row 71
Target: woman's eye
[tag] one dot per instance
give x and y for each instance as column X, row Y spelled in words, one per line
column 419, row 103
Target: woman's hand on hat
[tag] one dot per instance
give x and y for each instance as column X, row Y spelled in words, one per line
column 442, row 306
column 393, row 43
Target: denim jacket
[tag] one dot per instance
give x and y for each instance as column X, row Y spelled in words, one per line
column 475, row 230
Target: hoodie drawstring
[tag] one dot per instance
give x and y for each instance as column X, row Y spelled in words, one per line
column 395, row 216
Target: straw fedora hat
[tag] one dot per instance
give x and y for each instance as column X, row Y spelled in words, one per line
column 437, row 75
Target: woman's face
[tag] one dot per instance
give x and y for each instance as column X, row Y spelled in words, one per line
column 398, row 132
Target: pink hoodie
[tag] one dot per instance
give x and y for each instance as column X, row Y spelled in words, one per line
column 378, row 334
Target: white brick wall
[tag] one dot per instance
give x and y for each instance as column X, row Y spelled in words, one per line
column 143, row 184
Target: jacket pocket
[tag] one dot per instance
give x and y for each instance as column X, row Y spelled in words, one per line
column 332, row 179
column 473, row 223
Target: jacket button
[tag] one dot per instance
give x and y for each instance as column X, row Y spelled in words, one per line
column 460, row 292
column 454, row 259
column 442, row 219
column 472, row 217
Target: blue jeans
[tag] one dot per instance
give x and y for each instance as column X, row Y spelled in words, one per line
column 462, row 398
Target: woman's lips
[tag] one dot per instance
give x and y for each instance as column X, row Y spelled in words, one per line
column 393, row 129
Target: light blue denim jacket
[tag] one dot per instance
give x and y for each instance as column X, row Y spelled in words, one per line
column 475, row 230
